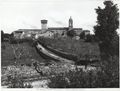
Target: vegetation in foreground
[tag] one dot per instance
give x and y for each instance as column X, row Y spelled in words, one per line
column 105, row 76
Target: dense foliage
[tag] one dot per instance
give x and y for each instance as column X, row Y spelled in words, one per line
column 18, row 82
column 83, row 79
column 89, row 38
column 107, row 24
column 105, row 31
column 2, row 36
column 82, row 35
column 71, row 33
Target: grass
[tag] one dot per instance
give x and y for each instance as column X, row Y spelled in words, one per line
column 78, row 47
column 29, row 54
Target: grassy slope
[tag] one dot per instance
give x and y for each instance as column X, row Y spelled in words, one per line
column 78, row 47
column 7, row 55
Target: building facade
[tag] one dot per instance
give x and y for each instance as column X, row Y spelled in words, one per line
column 48, row 31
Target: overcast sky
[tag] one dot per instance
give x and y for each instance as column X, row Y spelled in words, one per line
column 24, row 14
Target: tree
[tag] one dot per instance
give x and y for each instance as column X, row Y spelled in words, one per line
column 82, row 35
column 19, row 52
column 105, row 32
column 107, row 24
column 89, row 38
column 2, row 36
column 71, row 33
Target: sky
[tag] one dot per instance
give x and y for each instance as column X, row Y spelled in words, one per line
column 26, row 14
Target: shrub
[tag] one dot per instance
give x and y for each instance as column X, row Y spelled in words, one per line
column 89, row 38
column 3, row 46
column 2, row 36
column 110, row 66
column 84, row 79
column 71, row 33
column 82, row 35
column 17, row 82
column 58, row 81
column 73, row 79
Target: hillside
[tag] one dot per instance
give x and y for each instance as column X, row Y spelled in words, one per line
column 82, row 49
column 28, row 54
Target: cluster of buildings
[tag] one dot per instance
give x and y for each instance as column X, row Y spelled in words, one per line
column 50, row 32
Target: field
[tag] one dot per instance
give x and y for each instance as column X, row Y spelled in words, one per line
column 23, row 66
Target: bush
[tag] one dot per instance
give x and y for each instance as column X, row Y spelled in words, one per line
column 82, row 35
column 110, row 66
column 3, row 46
column 71, row 33
column 73, row 79
column 89, row 38
column 15, row 41
column 17, row 82
column 58, row 81
column 81, row 79
column 2, row 36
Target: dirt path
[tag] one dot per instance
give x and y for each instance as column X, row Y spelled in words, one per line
column 52, row 55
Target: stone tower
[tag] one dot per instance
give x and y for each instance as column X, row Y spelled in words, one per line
column 43, row 24
column 70, row 23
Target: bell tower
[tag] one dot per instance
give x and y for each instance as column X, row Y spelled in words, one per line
column 70, row 23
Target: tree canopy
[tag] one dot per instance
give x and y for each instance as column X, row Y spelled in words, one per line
column 107, row 24
column 71, row 33
column 2, row 36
